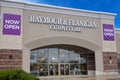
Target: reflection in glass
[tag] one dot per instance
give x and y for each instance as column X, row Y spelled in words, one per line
column 53, row 55
column 43, row 70
column 43, row 55
column 33, row 56
column 64, row 56
column 34, row 67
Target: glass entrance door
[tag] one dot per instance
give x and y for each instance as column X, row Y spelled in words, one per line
column 64, row 69
column 53, row 69
column 67, row 69
column 56, row 69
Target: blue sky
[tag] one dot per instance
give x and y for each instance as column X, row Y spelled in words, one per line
column 112, row 6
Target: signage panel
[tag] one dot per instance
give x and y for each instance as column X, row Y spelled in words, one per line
column 11, row 24
column 108, row 32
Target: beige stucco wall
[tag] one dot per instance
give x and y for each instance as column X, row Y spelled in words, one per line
column 118, row 41
column 42, row 32
column 10, row 41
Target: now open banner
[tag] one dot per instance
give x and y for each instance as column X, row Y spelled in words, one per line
column 108, row 32
column 11, row 24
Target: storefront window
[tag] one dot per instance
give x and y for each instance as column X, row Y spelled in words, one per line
column 57, row 61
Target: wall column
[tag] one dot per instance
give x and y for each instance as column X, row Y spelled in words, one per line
column 99, row 62
column 26, row 59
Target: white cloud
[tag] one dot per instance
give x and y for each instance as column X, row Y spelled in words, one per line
column 35, row 1
column 17, row 0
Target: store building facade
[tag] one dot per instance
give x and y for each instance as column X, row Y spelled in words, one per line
column 54, row 41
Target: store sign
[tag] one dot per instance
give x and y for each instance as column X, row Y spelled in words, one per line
column 60, row 24
column 11, row 24
column 108, row 32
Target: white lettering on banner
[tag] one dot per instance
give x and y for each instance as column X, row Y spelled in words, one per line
column 62, row 24
column 11, row 27
column 12, row 22
column 108, row 32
